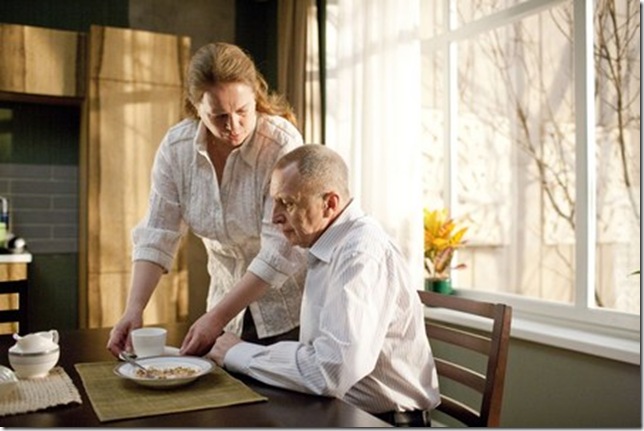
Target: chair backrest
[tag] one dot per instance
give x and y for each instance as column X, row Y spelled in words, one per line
column 491, row 343
column 8, row 289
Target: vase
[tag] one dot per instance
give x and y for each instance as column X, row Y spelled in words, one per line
column 439, row 285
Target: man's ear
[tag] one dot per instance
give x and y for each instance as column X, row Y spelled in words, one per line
column 331, row 203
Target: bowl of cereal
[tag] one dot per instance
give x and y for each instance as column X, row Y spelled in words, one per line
column 165, row 371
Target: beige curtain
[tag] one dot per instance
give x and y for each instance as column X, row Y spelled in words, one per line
column 298, row 76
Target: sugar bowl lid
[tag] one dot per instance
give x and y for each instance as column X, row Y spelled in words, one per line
column 35, row 343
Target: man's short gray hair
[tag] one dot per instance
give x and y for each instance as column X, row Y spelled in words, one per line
column 321, row 169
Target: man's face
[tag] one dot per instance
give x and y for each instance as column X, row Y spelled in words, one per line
column 302, row 216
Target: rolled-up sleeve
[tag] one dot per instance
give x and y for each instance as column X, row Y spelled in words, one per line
column 157, row 236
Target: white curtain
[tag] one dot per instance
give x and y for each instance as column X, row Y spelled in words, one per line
column 373, row 112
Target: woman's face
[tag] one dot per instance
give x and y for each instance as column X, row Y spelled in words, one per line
column 228, row 111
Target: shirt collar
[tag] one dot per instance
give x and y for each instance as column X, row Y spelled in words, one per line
column 323, row 248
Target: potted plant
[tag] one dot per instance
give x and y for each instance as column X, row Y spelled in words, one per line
column 442, row 237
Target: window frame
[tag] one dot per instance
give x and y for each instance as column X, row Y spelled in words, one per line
column 577, row 326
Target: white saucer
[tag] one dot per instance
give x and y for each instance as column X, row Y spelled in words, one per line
column 167, row 351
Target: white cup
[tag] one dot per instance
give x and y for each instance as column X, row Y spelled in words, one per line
column 148, row 341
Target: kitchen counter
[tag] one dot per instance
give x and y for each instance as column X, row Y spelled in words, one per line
column 15, row 258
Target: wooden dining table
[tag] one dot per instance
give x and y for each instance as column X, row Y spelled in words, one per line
column 283, row 408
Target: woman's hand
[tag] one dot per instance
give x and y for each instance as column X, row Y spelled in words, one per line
column 201, row 335
column 120, row 334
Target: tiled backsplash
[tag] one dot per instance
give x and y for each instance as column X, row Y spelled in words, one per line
column 43, row 205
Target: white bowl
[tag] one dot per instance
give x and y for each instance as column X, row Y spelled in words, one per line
column 33, row 365
column 8, row 381
column 200, row 366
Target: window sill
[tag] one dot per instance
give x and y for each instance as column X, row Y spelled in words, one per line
column 530, row 328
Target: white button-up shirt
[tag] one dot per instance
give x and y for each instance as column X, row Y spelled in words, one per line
column 362, row 334
column 232, row 218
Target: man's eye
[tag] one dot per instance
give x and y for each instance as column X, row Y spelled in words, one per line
column 287, row 205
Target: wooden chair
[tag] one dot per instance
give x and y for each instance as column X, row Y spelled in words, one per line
column 15, row 315
column 483, row 372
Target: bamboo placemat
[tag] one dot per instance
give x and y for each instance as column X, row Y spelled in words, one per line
column 116, row 398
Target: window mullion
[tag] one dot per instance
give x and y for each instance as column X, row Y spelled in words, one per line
column 585, row 204
column 451, row 129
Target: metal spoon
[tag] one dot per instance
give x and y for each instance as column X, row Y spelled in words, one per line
column 129, row 358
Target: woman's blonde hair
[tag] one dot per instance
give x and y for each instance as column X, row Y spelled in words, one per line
column 221, row 62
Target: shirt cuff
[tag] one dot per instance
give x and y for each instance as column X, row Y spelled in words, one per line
column 238, row 357
column 160, row 258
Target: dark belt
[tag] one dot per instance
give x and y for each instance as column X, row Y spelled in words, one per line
column 413, row 418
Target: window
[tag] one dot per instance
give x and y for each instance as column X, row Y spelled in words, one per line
column 529, row 133
column 546, row 176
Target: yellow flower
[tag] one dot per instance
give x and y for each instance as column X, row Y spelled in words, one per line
column 442, row 237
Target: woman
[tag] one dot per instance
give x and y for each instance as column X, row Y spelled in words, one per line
column 211, row 175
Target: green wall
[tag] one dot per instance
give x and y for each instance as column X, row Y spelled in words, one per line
column 547, row 387
column 556, row 388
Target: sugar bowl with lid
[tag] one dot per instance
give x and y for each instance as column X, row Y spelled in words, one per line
column 34, row 355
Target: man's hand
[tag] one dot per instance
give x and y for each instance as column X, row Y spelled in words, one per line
column 221, row 347
column 201, row 335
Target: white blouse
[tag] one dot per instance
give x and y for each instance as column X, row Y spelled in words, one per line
column 232, row 218
column 362, row 335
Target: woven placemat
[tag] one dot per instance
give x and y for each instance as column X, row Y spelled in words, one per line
column 113, row 397
column 31, row 395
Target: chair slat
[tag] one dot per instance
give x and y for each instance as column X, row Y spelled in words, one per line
column 457, row 337
column 483, row 309
column 460, row 374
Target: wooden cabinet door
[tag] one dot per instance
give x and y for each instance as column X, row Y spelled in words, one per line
column 41, row 61
column 134, row 94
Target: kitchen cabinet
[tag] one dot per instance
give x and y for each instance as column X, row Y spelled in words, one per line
column 41, row 61
column 134, row 94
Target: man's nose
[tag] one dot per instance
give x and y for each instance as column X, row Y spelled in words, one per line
column 276, row 216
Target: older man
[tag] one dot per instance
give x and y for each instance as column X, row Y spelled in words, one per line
column 362, row 335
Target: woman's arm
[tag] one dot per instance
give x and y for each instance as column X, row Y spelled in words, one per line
column 145, row 276
column 203, row 333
